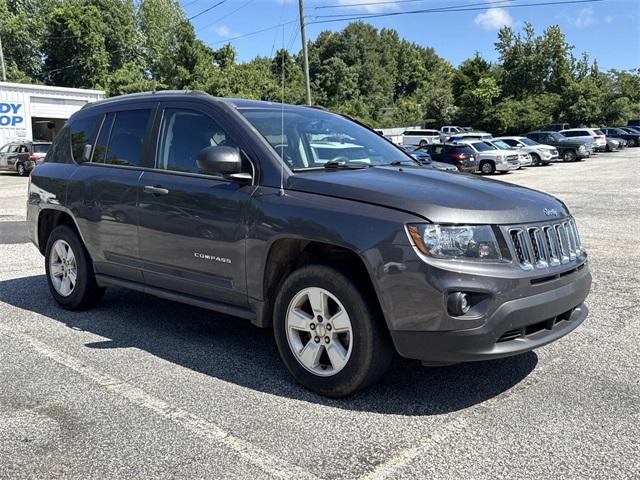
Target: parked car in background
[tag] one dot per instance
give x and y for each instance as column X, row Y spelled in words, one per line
column 631, row 129
column 634, row 123
column 422, row 156
column 629, row 134
column 459, row 155
column 540, row 154
column 22, row 157
column 420, row 137
column 614, row 138
column 523, row 157
column 448, row 130
column 587, row 134
column 556, row 127
column 467, row 137
column 445, row 167
column 490, row 159
column 569, row 149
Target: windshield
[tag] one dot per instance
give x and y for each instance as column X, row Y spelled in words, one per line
column 528, row 141
column 502, row 145
column 308, row 139
column 41, row 147
column 482, row 146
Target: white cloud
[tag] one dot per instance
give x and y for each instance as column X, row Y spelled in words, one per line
column 494, row 19
column 585, row 18
column 224, row 31
column 375, row 7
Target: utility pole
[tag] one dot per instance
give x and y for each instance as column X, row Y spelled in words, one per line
column 4, row 70
column 305, row 55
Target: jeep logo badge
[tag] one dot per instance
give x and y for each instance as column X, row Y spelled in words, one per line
column 550, row 212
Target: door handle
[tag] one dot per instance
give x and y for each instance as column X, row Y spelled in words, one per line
column 155, row 190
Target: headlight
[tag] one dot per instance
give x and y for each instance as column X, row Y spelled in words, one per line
column 455, row 242
column 499, row 158
column 581, row 147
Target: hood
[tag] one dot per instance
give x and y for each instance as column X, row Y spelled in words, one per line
column 441, row 197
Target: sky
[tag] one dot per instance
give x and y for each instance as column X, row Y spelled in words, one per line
column 608, row 30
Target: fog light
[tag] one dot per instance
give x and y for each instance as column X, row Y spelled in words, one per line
column 458, row 303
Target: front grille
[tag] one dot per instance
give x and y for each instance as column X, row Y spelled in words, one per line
column 541, row 246
column 512, row 158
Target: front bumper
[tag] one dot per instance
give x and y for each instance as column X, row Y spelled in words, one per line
column 507, row 167
column 516, row 310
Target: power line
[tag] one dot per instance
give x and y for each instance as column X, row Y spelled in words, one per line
column 446, row 8
column 440, row 10
column 207, row 9
column 365, row 4
column 228, row 14
column 238, row 37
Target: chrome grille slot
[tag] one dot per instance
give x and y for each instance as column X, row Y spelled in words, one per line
column 522, row 248
column 552, row 245
column 564, row 243
column 538, row 245
column 541, row 246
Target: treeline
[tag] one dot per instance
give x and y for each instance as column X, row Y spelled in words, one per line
column 123, row 46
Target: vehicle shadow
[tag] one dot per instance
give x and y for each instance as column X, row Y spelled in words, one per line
column 235, row 351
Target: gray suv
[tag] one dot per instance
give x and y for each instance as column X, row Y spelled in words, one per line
column 307, row 222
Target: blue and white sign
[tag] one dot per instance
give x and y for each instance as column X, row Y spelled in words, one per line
column 12, row 114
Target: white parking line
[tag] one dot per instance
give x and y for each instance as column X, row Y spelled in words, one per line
column 271, row 465
column 458, row 424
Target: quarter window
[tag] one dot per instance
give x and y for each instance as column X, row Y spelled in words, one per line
column 82, row 136
column 183, row 134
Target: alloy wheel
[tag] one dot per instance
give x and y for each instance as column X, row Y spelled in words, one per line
column 63, row 269
column 319, row 331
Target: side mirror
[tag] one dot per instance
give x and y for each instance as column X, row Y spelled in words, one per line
column 222, row 160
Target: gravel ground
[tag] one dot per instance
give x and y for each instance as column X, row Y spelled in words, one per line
column 145, row 388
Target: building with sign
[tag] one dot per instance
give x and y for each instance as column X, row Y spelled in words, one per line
column 38, row 112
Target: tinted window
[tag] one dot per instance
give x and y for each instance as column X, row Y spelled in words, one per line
column 528, row 141
column 120, row 139
column 60, row 151
column 82, row 134
column 482, row 147
column 41, row 147
column 23, row 149
column 183, row 134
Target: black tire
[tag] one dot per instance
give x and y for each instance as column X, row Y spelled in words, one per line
column 487, row 168
column 423, row 143
column 569, row 156
column 21, row 170
column 371, row 350
column 86, row 292
column 535, row 160
column 633, row 142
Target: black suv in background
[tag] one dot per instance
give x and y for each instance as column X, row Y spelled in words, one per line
column 233, row 205
column 459, row 155
column 569, row 150
column 22, row 157
column 633, row 139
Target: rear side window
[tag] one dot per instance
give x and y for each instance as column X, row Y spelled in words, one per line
column 183, row 134
column 121, row 137
column 82, row 132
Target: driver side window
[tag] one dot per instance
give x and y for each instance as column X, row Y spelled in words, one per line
column 183, row 134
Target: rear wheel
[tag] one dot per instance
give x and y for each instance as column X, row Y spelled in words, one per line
column 423, row 143
column 487, row 168
column 70, row 276
column 330, row 337
column 569, row 156
column 22, row 172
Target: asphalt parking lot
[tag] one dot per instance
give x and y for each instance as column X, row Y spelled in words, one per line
column 146, row 388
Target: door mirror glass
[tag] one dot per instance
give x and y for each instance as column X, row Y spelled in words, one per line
column 219, row 160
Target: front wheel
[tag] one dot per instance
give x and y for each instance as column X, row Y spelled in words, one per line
column 70, row 276
column 633, row 143
column 535, row 159
column 22, row 172
column 331, row 338
column 487, row 168
column 569, row 156
column 423, row 143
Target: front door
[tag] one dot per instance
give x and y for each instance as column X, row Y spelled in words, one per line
column 192, row 227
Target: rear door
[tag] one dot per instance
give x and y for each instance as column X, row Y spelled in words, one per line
column 193, row 225
column 4, row 154
column 104, row 188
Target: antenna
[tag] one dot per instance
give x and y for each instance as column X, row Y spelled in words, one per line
column 281, row 193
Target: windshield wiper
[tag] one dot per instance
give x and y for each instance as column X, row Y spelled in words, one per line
column 395, row 163
column 336, row 164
